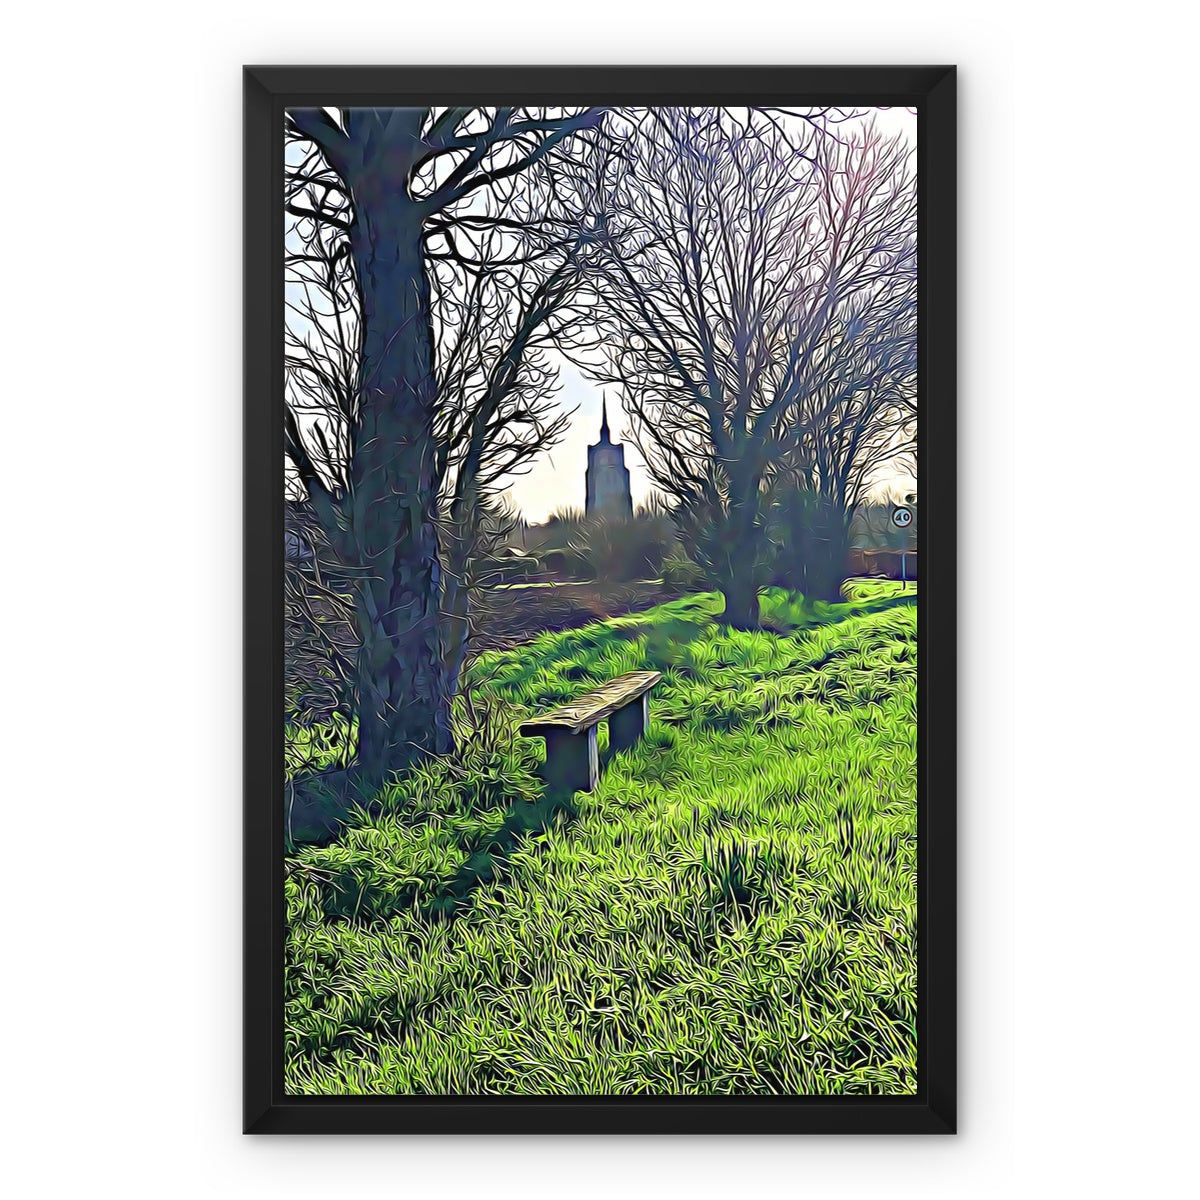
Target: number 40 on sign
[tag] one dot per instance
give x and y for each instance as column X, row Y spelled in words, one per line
column 902, row 518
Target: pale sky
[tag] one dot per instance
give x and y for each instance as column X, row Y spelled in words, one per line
column 557, row 478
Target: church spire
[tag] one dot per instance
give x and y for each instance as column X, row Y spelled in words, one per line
column 604, row 419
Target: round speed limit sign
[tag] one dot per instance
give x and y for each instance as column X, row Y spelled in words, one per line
column 902, row 517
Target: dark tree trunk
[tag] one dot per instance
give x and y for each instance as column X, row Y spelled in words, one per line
column 743, row 545
column 464, row 534
column 813, row 544
column 835, row 551
column 824, row 546
column 400, row 682
column 456, row 625
column 741, row 601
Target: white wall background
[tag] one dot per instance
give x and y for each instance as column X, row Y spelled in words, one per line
column 121, row 665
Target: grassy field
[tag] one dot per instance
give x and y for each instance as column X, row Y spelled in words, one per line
column 732, row 911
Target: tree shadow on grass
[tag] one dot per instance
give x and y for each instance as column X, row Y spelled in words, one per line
column 485, row 862
column 364, row 890
column 833, row 614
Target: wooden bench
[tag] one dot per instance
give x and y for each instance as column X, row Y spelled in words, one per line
column 572, row 763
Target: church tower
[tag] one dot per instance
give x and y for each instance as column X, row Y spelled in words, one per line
column 608, row 492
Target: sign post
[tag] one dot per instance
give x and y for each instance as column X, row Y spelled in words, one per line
column 902, row 517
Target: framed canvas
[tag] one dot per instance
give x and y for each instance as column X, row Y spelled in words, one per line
column 600, row 676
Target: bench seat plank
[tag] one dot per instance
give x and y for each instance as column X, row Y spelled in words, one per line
column 589, row 710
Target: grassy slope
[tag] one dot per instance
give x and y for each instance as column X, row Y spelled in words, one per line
column 733, row 910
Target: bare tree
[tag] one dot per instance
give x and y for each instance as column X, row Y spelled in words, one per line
column 499, row 304
column 738, row 275
column 856, row 412
column 377, row 196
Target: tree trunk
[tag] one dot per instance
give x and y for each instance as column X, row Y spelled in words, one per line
column 741, row 599
column 814, row 539
column 464, row 525
column 455, row 624
column 837, row 556
column 402, row 693
column 826, row 548
column 743, row 535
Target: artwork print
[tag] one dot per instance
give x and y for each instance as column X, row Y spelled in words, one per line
column 600, row 590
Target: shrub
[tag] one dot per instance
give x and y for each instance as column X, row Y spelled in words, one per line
column 681, row 574
column 598, row 550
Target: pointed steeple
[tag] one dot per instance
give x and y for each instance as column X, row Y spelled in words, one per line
column 604, row 419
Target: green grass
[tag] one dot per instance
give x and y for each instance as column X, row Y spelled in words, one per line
column 732, row 911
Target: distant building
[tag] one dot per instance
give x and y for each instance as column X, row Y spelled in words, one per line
column 608, row 493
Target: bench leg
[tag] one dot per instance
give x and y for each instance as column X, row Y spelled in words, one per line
column 572, row 764
column 627, row 725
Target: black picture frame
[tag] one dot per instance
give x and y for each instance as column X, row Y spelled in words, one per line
column 267, row 91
